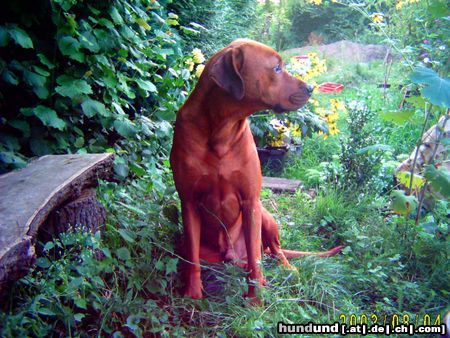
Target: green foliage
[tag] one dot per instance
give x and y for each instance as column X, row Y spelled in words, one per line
column 211, row 25
column 290, row 24
column 402, row 204
column 398, row 116
column 358, row 165
column 89, row 78
column 437, row 89
column 439, row 180
column 318, row 162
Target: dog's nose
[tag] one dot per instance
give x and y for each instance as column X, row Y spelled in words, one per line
column 309, row 89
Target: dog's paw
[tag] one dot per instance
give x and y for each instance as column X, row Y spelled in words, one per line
column 290, row 267
column 254, row 301
column 194, row 292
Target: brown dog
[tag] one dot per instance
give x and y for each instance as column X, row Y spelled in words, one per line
column 215, row 164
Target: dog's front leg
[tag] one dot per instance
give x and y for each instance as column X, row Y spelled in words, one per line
column 192, row 231
column 251, row 222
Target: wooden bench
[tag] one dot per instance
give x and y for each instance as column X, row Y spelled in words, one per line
column 41, row 200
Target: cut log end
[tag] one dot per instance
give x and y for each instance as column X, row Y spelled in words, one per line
column 85, row 212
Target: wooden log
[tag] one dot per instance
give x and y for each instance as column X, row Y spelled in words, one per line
column 85, row 212
column 28, row 196
column 277, row 184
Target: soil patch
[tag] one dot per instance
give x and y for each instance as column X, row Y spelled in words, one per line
column 345, row 50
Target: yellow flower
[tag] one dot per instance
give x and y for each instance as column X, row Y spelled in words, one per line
column 401, row 3
column 190, row 65
column 198, row 55
column 337, row 105
column 281, row 129
column 321, row 111
column 199, row 70
column 332, row 118
column 332, row 129
column 377, row 17
column 296, row 131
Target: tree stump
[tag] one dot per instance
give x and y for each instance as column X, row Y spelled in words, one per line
column 43, row 199
column 84, row 211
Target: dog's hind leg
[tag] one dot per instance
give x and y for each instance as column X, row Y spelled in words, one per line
column 272, row 245
column 271, row 238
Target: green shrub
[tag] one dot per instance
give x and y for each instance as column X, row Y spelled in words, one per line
column 215, row 23
column 77, row 77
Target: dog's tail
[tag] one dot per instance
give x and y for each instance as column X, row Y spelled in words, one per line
column 294, row 253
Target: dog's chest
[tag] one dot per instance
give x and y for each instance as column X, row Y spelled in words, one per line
column 219, row 200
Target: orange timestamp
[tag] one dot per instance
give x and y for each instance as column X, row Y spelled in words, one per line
column 391, row 319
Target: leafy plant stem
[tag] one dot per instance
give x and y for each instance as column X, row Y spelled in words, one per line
column 419, row 142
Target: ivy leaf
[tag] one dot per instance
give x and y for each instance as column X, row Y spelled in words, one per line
column 49, row 117
column 439, row 179
column 79, row 142
column 123, row 253
column 79, row 317
column 437, row 89
column 40, row 147
column 127, row 235
column 121, row 169
column 70, row 47
column 171, row 265
column 163, row 129
column 10, row 157
column 125, row 128
column 37, row 82
column 92, row 107
column 117, row 18
column 4, row 36
column 146, row 85
column 89, row 41
column 402, row 204
column 188, row 30
column 20, row 37
column 141, row 22
column 399, row 117
column 106, row 23
column 41, row 71
column 10, row 77
column 21, row 125
column 45, row 61
column 71, row 87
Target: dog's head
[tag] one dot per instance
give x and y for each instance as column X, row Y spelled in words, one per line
column 253, row 72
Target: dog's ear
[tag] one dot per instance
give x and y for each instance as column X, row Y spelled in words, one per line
column 225, row 72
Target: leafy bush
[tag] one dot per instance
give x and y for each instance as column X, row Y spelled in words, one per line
column 290, row 24
column 214, row 23
column 360, row 156
column 79, row 77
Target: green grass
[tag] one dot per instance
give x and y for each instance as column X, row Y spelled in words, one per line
column 133, row 289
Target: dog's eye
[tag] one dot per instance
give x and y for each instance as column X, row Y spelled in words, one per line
column 277, row 69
